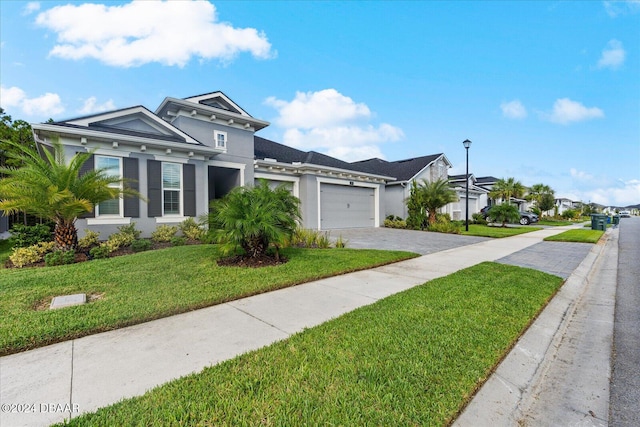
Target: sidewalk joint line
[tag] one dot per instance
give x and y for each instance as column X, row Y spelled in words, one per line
column 259, row 319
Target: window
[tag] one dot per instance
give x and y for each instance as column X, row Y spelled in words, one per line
column 220, row 139
column 112, row 167
column 171, row 188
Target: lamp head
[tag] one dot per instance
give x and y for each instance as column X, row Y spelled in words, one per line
column 466, row 143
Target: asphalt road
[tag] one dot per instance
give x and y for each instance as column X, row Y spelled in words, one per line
column 624, row 403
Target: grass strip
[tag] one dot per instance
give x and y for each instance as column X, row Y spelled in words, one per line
column 415, row 358
column 496, row 231
column 578, row 236
column 141, row 287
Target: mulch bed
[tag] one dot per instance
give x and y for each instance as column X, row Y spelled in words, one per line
column 82, row 256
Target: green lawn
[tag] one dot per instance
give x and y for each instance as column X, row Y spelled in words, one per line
column 496, row 231
column 415, row 358
column 150, row 285
column 5, row 251
column 579, row 236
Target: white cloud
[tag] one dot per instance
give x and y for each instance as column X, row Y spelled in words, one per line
column 625, row 193
column 566, row 111
column 11, row 97
column 317, row 109
column 620, row 7
column 48, row 104
column 513, row 110
column 140, row 32
column 612, row 56
column 580, row 174
column 31, row 7
column 90, row 106
column 332, row 123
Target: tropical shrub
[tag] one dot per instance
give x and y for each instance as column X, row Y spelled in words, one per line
column 89, row 240
column 504, row 213
column 59, row 258
column 164, row 233
column 395, row 223
column 99, row 252
column 31, row 254
column 23, row 236
column 570, row 214
column 478, row 218
column 252, row 218
column 191, row 229
column 178, row 241
column 443, row 224
column 119, row 240
column 131, row 230
column 140, row 245
column 425, row 200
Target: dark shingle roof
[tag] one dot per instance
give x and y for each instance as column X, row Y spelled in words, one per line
column 120, row 131
column 402, row 170
column 264, row 148
column 486, row 180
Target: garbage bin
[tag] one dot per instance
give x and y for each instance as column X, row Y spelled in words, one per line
column 599, row 222
column 616, row 219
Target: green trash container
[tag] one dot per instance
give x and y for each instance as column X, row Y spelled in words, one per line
column 616, row 219
column 599, row 222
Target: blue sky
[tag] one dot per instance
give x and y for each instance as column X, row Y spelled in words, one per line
column 547, row 91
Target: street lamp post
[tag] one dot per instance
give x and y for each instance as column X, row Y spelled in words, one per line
column 467, row 144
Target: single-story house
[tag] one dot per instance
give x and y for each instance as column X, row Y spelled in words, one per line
column 431, row 168
column 191, row 151
column 478, row 197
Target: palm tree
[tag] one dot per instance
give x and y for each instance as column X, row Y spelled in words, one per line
column 49, row 187
column 431, row 196
column 253, row 218
column 537, row 191
column 505, row 189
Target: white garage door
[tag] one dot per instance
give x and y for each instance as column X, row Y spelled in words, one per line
column 343, row 206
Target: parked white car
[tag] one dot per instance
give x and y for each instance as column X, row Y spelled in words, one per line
column 625, row 214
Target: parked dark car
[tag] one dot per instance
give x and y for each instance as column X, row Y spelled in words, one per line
column 526, row 218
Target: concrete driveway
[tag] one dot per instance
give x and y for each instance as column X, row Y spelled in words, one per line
column 420, row 242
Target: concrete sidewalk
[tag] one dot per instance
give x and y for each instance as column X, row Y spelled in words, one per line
column 66, row 379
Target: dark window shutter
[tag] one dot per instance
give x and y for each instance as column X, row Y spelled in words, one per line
column 189, row 187
column 131, row 175
column 4, row 222
column 154, row 188
column 89, row 165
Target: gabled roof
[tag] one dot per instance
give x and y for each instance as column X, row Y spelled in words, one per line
column 210, row 106
column 135, row 122
column 455, row 178
column 486, row 180
column 217, row 100
column 268, row 150
column 402, row 170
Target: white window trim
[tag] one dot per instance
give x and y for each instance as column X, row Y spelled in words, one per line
column 108, row 221
column 120, row 199
column 181, row 191
column 215, row 139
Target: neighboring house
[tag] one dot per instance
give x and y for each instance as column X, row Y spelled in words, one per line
column 406, row 171
column 332, row 193
column 563, row 204
column 180, row 157
column 194, row 150
column 478, row 197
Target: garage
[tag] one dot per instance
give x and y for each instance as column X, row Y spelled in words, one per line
column 343, row 206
